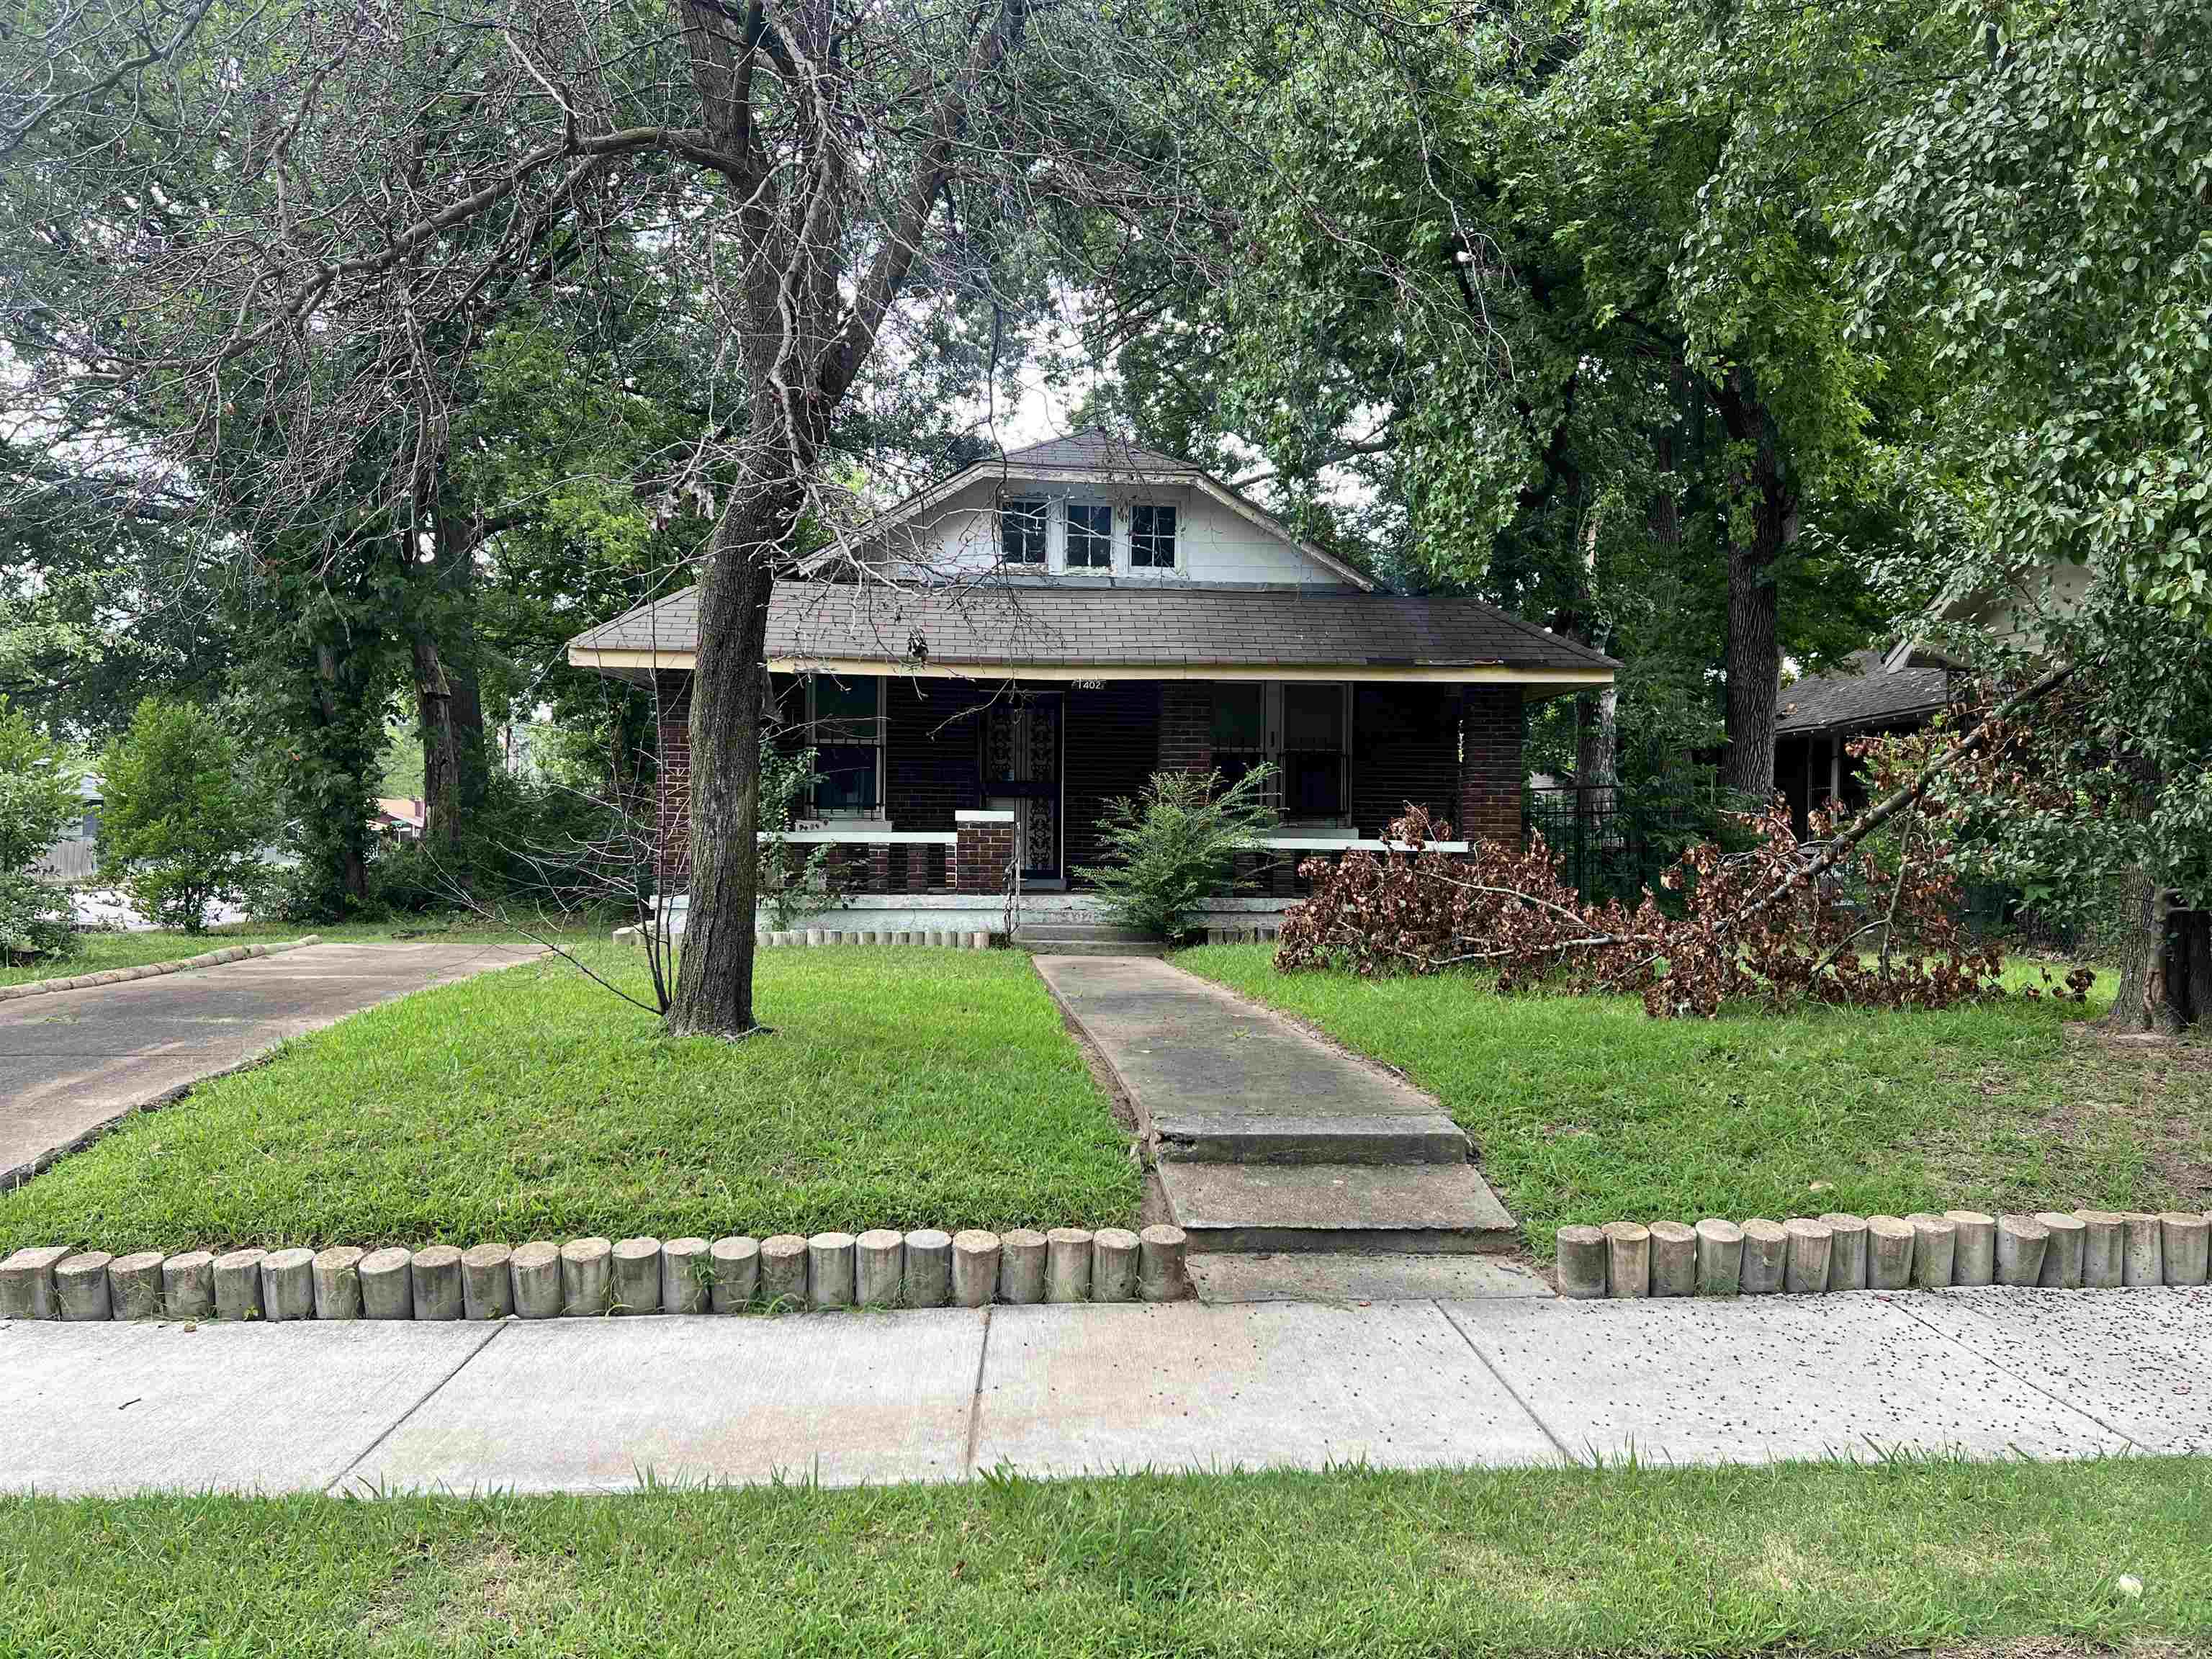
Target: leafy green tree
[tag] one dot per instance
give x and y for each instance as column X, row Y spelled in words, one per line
column 2037, row 222
column 2038, row 265
column 178, row 830
column 37, row 799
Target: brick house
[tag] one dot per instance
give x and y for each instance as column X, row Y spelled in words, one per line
column 1062, row 621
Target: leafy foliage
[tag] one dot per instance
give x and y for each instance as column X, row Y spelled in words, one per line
column 2039, row 252
column 179, row 830
column 37, row 797
column 1751, row 925
column 1176, row 845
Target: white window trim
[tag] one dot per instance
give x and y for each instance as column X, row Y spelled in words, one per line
column 1066, row 527
column 881, row 808
column 999, row 532
column 1164, row 572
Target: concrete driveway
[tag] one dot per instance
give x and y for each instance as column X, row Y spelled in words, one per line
column 72, row 1062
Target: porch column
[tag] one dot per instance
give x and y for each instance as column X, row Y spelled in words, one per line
column 985, row 848
column 1186, row 726
column 1493, row 720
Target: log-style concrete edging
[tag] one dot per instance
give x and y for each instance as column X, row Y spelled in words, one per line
column 940, row 939
column 2079, row 1249
column 591, row 1277
column 153, row 969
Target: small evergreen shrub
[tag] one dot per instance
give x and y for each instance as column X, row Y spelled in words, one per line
column 1175, row 846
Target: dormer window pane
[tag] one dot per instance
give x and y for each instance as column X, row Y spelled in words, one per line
column 1152, row 537
column 1089, row 536
column 1021, row 532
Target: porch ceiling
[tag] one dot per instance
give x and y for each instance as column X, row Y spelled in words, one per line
column 1125, row 631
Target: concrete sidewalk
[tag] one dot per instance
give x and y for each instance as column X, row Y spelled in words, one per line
column 75, row 1061
column 938, row 1396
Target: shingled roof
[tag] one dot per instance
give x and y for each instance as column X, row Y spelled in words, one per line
column 1067, row 627
column 1860, row 697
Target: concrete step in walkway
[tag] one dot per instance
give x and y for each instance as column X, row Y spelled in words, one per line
column 1084, row 938
column 1266, row 1137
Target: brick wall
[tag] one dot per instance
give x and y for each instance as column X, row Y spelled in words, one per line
column 1492, row 721
column 979, row 861
column 1186, row 726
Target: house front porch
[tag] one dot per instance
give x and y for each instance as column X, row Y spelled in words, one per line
column 936, row 797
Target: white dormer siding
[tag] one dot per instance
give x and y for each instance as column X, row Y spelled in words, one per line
column 961, row 535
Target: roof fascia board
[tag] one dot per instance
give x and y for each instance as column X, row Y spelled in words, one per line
column 1494, row 673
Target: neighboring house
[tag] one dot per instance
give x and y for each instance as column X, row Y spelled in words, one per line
column 76, row 856
column 1062, row 623
column 1818, row 717
column 398, row 819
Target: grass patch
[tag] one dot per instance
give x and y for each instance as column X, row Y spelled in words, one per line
column 1583, row 1109
column 102, row 950
column 900, row 1088
column 1818, row 1558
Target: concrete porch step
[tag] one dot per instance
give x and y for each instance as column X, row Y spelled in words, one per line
column 1395, row 1209
column 1307, row 1138
column 1063, row 932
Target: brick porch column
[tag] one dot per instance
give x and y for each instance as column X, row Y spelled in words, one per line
column 879, row 867
column 987, row 842
column 1492, row 719
column 1186, row 726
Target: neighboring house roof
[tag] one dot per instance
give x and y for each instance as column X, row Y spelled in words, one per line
column 1862, row 695
column 1093, row 455
column 1071, row 630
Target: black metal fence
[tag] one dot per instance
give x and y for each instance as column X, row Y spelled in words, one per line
column 1612, row 842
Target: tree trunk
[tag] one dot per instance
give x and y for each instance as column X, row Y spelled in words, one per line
column 1762, row 525
column 729, row 690
column 2144, row 1002
column 441, row 747
column 351, row 839
column 1597, row 746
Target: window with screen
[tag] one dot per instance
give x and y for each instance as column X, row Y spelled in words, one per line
column 846, row 727
column 1021, row 530
column 1313, row 752
column 1152, row 537
column 1089, row 536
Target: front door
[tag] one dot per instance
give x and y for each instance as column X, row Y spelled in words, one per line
column 1021, row 773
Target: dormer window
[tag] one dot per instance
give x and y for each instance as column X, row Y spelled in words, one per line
column 1021, row 532
column 1152, row 536
column 1089, row 536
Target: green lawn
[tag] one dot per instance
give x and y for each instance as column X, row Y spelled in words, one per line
column 1583, row 1109
column 104, row 950
column 1789, row 1558
column 901, row 1087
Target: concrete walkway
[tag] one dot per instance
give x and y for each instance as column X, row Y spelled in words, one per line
column 1265, row 1136
column 942, row 1394
column 75, row 1061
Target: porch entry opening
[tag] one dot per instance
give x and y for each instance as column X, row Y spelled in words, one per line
column 1303, row 729
column 1022, row 753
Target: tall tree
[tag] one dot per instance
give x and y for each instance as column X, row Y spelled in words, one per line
column 824, row 174
column 2038, row 254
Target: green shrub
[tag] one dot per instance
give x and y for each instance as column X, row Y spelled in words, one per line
column 1176, row 845
column 179, row 831
column 37, row 799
